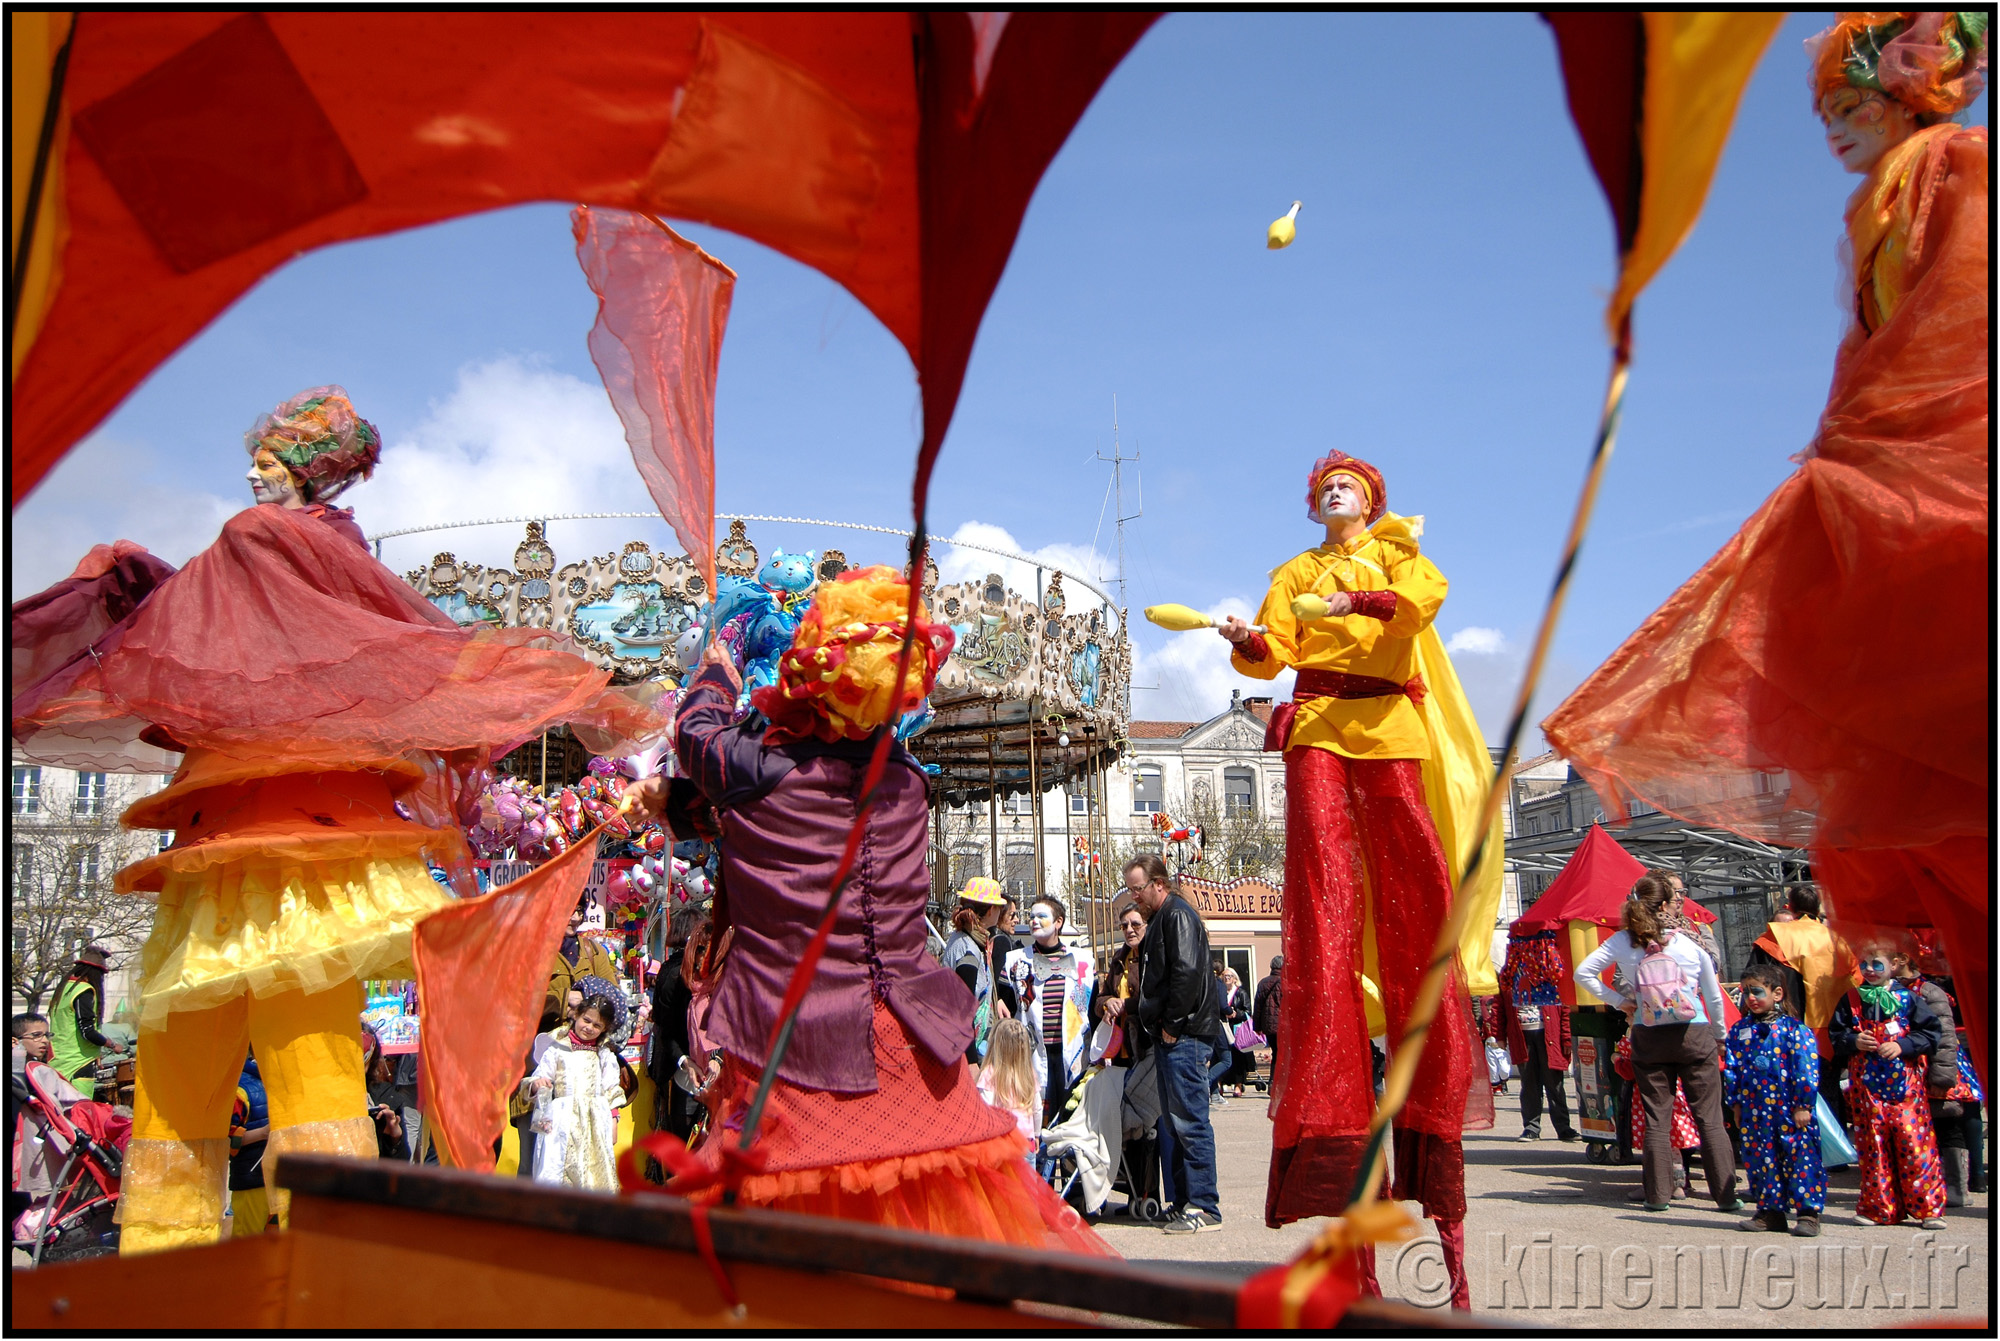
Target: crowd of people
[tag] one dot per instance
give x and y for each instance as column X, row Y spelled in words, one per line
column 1824, row 1044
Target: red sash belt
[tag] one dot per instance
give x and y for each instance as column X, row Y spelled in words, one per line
column 1314, row 684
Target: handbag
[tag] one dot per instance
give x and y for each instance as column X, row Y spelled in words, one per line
column 1247, row 1039
column 1835, row 1150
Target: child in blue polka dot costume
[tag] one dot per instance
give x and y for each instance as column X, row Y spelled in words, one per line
column 1771, row 1080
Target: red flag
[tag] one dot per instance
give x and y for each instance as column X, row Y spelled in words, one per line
column 662, row 304
column 482, row 969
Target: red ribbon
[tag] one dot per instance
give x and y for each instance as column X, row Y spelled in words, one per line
column 698, row 1182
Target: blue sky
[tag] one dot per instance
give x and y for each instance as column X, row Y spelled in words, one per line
column 1440, row 315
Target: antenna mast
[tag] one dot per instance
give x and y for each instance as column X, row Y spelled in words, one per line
column 1118, row 460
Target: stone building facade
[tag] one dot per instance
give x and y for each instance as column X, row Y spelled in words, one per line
column 64, row 847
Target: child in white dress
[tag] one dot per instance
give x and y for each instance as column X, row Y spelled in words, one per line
column 577, row 1098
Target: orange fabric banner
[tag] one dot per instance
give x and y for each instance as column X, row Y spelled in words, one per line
column 481, row 967
column 662, row 305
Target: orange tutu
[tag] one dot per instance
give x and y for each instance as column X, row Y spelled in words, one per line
column 923, row 1152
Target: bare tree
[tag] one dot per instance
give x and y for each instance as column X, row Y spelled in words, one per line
column 60, row 867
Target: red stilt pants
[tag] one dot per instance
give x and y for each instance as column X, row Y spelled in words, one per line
column 1359, row 842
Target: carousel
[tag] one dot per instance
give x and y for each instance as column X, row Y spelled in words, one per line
column 1036, row 695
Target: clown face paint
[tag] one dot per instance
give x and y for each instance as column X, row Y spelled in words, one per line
column 1342, row 499
column 1862, row 125
column 1874, row 967
column 271, row 481
column 1760, row 999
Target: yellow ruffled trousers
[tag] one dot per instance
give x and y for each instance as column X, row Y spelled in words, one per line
column 282, row 894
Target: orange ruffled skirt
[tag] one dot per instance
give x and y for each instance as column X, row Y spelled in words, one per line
column 923, row 1152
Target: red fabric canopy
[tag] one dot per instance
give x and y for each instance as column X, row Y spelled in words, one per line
column 894, row 151
column 1593, row 887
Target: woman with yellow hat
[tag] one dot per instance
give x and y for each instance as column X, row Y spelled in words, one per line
column 968, row 952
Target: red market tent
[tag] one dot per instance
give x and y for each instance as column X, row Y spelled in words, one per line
column 1587, row 899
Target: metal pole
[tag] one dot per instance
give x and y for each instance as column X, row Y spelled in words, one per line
column 1035, row 789
column 1034, row 740
column 992, row 814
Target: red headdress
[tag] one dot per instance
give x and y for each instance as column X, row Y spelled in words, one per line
column 838, row 680
column 1371, row 479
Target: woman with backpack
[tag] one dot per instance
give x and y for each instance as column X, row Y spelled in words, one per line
column 1677, row 1030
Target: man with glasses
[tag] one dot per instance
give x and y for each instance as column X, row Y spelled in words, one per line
column 1180, row 1010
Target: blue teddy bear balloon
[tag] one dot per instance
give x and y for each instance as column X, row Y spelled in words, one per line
column 755, row 621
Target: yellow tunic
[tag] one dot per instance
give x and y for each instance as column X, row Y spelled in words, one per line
column 1384, row 559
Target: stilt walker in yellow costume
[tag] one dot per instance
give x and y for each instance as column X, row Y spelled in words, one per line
column 309, row 688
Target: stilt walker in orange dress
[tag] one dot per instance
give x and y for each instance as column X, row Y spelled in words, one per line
column 1825, row 679
column 1368, row 881
column 309, row 689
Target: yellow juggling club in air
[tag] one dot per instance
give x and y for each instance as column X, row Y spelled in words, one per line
column 1281, row 232
column 1182, row 619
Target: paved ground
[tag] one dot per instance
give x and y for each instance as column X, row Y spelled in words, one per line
column 1552, row 1242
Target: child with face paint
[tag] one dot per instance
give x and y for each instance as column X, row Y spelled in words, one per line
column 1885, row 1032
column 1771, row 1081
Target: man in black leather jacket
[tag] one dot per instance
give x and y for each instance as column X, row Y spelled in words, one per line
column 1179, row 1009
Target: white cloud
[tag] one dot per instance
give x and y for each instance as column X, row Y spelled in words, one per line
column 108, row 489
column 956, row 564
column 1178, row 677
column 1188, row 677
column 512, row 439
column 1476, row 641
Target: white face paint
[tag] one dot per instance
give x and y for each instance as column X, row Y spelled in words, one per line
column 1342, row 498
column 271, row 482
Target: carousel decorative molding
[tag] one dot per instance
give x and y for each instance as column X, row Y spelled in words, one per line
column 1033, row 693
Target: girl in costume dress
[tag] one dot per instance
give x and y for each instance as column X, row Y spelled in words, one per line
column 578, row 1096
column 309, row 688
column 1825, row 678
column 891, row 1130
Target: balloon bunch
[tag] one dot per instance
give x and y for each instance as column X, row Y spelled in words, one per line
column 520, row 821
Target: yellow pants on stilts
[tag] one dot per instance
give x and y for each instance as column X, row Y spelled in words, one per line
column 177, row 1166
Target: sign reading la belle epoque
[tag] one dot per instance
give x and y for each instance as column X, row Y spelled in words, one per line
column 1248, row 898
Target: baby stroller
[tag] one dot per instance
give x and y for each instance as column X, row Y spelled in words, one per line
column 1140, row 1175
column 74, row 1217
column 1071, row 1144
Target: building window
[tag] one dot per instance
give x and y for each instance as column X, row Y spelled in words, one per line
column 27, row 789
column 23, row 866
column 1019, row 876
column 1147, row 790
column 1080, row 803
column 1017, row 803
column 87, row 870
column 90, row 793
column 166, row 839
column 1239, row 791
column 967, row 862
column 1245, row 860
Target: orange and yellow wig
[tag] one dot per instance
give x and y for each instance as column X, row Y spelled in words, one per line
column 838, row 679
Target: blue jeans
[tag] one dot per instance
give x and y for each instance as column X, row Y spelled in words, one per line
column 1221, row 1061
column 1183, row 1075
